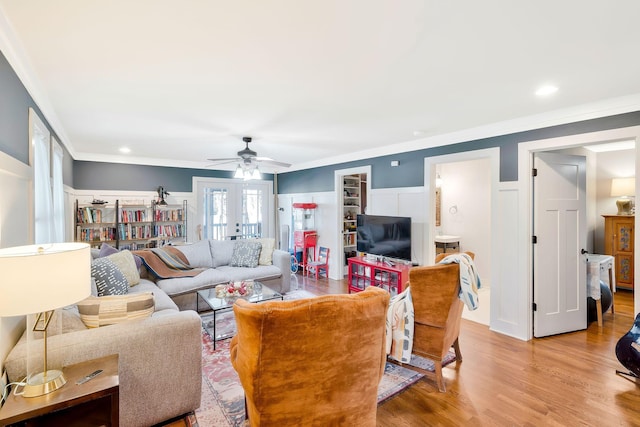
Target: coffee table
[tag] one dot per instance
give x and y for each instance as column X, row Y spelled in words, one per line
column 218, row 305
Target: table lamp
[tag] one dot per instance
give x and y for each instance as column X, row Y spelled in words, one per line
column 38, row 279
column 623, row 188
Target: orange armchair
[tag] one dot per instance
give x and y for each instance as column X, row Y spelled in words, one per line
column 311, row 362
column 437, row 313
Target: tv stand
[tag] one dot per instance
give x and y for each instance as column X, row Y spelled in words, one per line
column 383, row 274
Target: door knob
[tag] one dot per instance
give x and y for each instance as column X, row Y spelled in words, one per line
column 582, row 251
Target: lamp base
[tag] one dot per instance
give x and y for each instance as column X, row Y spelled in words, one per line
column 43, row 383
column 624, row 206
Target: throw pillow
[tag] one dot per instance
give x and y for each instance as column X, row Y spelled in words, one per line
column 266, row 254
column 106, row 250
column 109, row 310
column 246, row 254
column 126, row 264
column 109, row 279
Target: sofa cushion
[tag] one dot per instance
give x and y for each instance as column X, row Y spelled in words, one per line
column 106, row 250
column 266, row 253
column 125, row 262
column 181, row 285
column 109, row 279
column 112, row 309
column 246, row 254
column 161, row 299
column 262, row 272
column 221, row 251
column 198, row 254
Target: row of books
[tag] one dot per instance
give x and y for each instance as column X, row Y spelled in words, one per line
column 99, row 234
column 168, row 215
column 169, row 230
column 130, row 232
column 133, row 215
column 88, row 215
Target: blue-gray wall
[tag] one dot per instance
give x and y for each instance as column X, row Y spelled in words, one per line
column 15, row 102
column 410, row 173
column 14, row 140
column 126, row 177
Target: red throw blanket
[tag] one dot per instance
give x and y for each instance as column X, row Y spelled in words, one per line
column 167, row 262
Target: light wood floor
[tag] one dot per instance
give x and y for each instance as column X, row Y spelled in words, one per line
column 564, row 380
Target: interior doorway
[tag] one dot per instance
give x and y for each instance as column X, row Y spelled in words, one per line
column 345, row 188
column 461, row 190
column 569, row 145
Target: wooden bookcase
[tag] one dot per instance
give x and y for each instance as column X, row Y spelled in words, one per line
column 619, row 242
column 362, row 274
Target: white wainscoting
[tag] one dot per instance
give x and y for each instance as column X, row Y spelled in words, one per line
column 16, row 229
column 509, row 312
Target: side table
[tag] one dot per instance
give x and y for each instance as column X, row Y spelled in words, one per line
column 596, row 265
column 93, row 403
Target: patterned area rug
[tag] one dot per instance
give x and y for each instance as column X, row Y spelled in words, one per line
column 222, row 402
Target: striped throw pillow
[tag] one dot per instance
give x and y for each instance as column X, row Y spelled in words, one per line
column 112, row 309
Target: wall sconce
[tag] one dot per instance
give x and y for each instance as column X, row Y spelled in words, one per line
column 623, row 188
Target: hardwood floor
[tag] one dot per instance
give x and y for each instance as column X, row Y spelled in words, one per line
column 563, row 380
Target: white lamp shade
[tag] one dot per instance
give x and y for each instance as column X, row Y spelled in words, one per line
column 623, row 187
column 38, row 278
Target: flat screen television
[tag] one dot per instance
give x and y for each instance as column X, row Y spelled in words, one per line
column 387, row 236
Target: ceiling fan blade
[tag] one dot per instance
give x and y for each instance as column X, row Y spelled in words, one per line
column 274, row 163
column 229, row 159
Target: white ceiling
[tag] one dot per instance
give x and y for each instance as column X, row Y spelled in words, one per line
column 314, row 82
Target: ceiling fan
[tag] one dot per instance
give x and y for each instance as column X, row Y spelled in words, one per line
column 248, row 159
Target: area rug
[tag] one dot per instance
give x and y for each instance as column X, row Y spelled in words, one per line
column 222, row 402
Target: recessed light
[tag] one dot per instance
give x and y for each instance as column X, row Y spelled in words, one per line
column 546, row 90
column 125, row 150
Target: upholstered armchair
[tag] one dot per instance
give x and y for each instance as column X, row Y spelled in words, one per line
column 311, row 362
column 437, row 313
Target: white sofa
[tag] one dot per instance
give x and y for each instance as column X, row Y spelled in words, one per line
column 215, row 256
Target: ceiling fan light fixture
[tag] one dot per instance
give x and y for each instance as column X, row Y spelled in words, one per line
column 256, row 174
column 239, row 172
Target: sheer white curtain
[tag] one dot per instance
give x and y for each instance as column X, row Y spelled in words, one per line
column 43, row 207
column 57, row 191
column 48, row 189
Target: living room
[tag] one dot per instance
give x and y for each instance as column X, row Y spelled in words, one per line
column 403, row 190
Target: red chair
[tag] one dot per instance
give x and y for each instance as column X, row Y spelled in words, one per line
column 322, row 263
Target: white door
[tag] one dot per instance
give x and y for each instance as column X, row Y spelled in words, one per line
column 559, row 224
column 232, row 210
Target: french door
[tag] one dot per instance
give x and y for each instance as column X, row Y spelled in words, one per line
column 229, row 209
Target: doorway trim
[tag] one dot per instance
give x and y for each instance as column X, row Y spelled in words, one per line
column 338, row 174
column 525, row 205
column 493, row 154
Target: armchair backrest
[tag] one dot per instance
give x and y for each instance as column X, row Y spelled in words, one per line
column 434, row 291
column 315, row 361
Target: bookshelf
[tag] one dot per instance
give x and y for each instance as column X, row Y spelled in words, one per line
column 170, row 223
column 96, row 223
column 351, row 207
column 135, row 227
column 130, row 226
